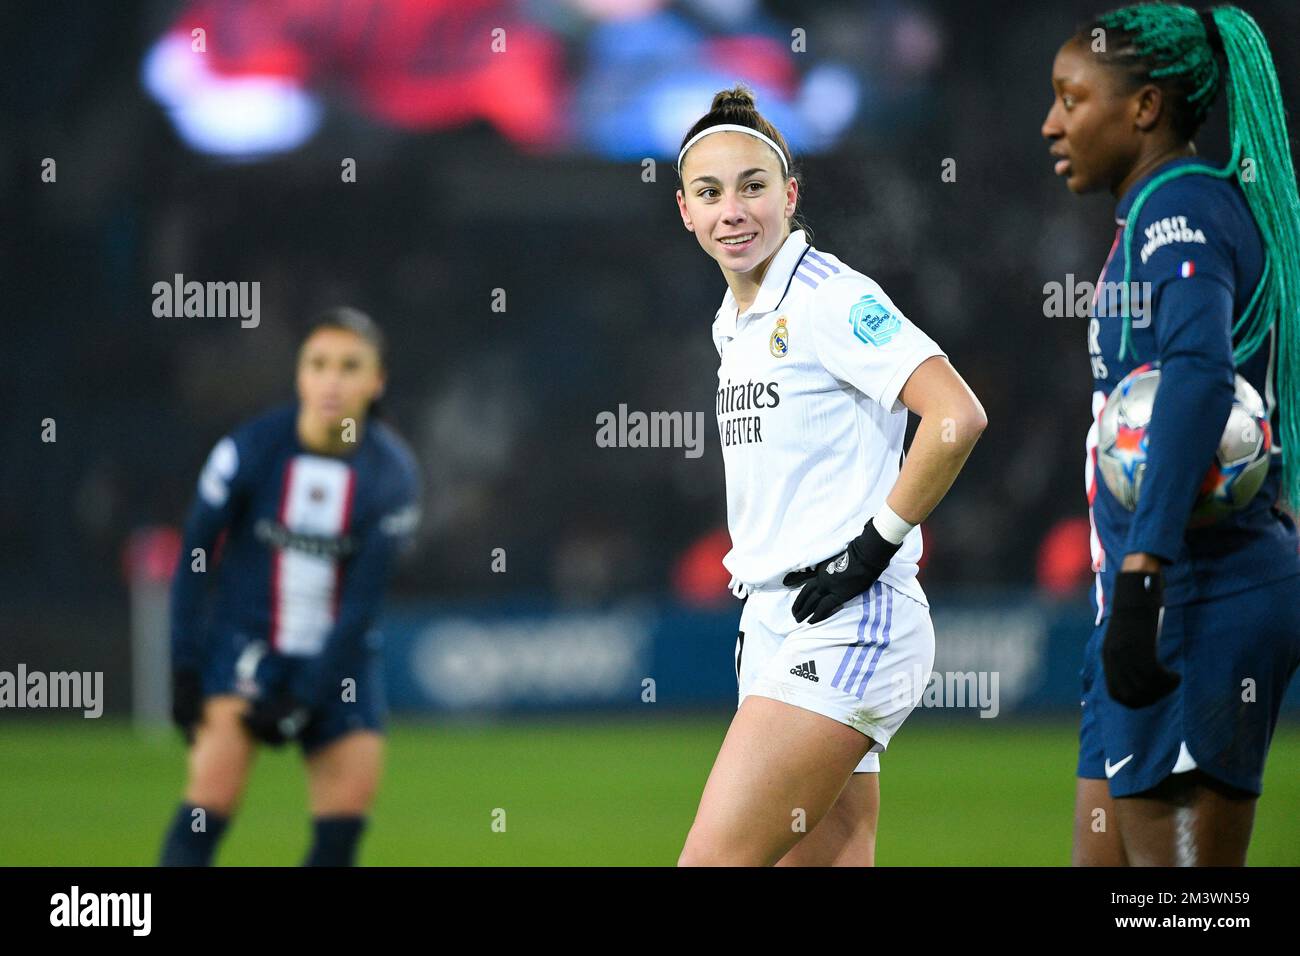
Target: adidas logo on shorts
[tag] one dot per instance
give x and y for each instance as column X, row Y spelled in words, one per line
column 807, row 670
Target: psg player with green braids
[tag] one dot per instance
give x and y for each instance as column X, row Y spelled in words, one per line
column 1198, row 628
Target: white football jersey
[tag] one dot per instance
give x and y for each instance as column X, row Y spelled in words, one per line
column 808, row 415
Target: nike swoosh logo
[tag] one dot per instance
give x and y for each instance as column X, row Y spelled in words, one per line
column 1112, row 769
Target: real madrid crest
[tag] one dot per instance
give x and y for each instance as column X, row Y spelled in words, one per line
column 779, row 343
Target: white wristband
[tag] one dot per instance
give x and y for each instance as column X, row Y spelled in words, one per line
column 890, row 526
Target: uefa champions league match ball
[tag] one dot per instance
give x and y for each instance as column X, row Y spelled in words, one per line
column 1235, row 474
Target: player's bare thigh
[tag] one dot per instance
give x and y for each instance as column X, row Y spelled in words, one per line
column 779, row 771
column 221, row 756
column 1097, row 840
column 343, row 776
column 1190, row 819
column 846, row 836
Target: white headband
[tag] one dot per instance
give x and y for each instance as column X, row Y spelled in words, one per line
column 732, row 128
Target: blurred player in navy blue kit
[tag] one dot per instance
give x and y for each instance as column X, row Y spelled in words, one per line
column 1198, row 628
column 299, row 516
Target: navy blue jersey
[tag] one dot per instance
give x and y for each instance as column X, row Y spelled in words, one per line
column 1196, row 259
column 309, row 542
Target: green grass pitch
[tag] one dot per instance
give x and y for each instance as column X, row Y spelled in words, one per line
column 594, row 791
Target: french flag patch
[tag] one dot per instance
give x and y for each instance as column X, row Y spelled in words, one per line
column 1187, row 269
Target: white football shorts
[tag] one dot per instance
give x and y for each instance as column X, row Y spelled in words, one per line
column 866, row 665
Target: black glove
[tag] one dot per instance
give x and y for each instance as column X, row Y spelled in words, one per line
column 187, row 701
column 1134, row 674
column 276, row 720
column 842, row 577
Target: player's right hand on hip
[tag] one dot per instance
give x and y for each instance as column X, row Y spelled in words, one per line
column 842, row 577
column 276, row 720
column 1134, row 675
column 187, row 701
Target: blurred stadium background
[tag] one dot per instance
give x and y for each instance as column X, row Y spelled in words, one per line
column 525, row 171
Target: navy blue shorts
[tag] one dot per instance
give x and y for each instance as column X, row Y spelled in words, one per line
column 237, row 665
column 1236, row 655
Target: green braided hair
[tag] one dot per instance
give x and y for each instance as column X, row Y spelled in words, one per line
column 1191, row 56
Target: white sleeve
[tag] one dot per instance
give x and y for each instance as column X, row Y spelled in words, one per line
column 864, row 340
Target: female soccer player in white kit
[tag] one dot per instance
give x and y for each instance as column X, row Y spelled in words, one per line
column 818, row 370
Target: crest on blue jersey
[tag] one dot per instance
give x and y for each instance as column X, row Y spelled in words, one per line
column 872, row 322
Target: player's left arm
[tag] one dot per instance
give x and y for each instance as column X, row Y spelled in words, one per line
column 865, row 341
column 952, row 420
column 1192, row 320
column 1186, row 293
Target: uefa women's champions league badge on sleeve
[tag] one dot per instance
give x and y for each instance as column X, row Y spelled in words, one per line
column 872, row 322
column 779, row 343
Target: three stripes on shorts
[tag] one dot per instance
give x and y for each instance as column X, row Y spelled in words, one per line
column 867, row 649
